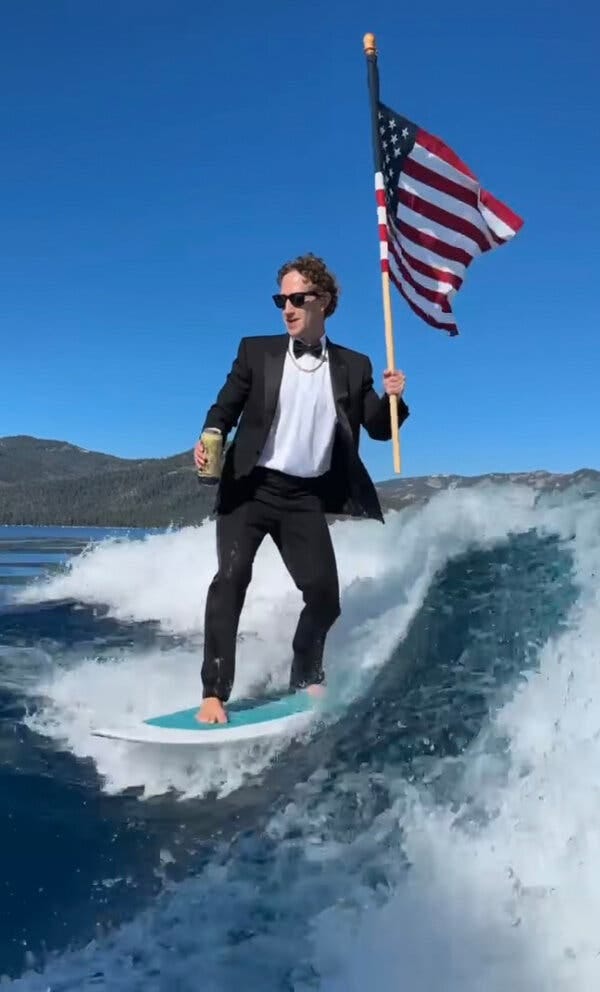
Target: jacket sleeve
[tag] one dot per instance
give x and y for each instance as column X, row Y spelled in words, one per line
column 376, row 409
column 226, row 410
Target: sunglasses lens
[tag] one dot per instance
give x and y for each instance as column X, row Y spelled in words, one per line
column 296, row 299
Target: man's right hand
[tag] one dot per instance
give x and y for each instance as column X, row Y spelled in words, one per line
column 200, row 455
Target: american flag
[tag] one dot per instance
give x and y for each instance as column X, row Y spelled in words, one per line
column 434, row 218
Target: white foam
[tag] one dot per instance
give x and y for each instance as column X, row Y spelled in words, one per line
column 503, row 896
column 384, row 575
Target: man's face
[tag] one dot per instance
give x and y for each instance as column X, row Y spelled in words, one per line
column 306, row 321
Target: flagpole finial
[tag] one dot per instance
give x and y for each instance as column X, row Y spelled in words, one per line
column 370, row 45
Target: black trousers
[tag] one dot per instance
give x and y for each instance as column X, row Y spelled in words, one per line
column 280, row 507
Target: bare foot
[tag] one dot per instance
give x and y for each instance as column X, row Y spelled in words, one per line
column 211, row 711
column 316, row 690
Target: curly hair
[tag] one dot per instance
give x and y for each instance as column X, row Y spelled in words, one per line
column 314, row 270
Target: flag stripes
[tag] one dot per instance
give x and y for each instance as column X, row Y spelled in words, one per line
column 434, row 218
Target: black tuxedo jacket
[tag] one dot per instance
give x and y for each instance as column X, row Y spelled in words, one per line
column 250, row 395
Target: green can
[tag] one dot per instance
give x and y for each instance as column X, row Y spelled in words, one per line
column 212, row 439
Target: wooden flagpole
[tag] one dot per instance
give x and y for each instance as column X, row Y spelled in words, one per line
column 370, row 48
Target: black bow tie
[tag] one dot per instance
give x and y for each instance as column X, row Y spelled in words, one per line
column 300, row 348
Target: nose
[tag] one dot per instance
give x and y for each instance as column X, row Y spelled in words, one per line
column 288, row 308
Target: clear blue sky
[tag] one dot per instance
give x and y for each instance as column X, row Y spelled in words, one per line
column 161, row 159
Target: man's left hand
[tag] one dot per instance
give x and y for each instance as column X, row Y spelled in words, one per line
column 394, row 382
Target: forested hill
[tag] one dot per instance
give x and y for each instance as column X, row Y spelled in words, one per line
column 46, row 482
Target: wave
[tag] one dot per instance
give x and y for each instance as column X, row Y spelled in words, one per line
column 444, row 826
column 385, row 572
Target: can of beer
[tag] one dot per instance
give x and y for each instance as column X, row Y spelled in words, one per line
column 212, row 439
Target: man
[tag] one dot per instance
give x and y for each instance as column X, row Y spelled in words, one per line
column 302, row 401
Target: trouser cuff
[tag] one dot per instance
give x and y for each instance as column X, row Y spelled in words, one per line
column 305, row 673
column 215, row 693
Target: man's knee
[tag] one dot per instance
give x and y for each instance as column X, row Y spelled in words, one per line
column 334, row 609
column 234, row 578
column 324, row 599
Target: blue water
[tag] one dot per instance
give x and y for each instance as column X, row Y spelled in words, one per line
column 180, row 875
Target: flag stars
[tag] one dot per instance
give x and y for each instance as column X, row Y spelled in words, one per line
column 397, row 136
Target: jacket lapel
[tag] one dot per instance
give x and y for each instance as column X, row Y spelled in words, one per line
column 274, row 361
column 339, row 383
column 339, row 375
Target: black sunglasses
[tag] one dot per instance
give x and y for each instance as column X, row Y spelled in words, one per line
column 296, row 299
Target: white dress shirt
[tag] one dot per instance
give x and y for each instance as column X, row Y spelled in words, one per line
column 300, row 440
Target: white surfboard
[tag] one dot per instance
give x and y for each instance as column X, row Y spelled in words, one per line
column 247, row 720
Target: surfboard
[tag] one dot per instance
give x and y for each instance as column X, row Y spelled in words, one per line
column 249, row 719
